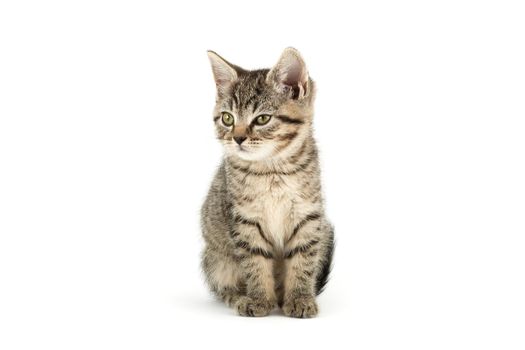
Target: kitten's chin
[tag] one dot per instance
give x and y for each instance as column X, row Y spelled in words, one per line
column 250, row 154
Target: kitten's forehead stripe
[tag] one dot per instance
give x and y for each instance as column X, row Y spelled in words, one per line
column 255, row 106
column 235, row 99
column 250, row 100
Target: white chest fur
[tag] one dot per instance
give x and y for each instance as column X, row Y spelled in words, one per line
column 277, row 206
column 277, row 215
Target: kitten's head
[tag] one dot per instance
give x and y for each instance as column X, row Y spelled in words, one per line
column 266, row 113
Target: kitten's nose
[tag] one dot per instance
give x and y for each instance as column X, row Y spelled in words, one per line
column 239, row 139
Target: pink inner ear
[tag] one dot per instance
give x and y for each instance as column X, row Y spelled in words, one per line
column 293, row 80
column 222, row 82
column 293, row 76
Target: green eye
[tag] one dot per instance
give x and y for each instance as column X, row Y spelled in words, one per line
column 263, row 119
column 227, row 119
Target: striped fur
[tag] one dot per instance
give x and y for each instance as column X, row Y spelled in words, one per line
column 268, row 241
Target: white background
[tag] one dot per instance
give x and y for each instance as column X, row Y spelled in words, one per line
column 107, row 150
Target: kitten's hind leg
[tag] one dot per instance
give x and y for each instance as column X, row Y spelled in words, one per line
column 223, row 276
column 230, row 295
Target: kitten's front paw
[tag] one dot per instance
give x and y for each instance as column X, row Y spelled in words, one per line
column 301, row 307
column 247, row 306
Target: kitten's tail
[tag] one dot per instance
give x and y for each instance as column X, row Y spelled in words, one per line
column 323, row 276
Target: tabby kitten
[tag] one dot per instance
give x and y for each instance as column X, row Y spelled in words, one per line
column 268, row 241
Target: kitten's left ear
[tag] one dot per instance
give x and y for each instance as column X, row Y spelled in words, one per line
column 224, row 72
column 290, row 75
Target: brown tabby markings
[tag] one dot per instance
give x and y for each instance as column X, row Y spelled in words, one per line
column 268, row 241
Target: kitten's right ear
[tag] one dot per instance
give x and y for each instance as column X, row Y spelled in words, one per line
column 224, row 72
